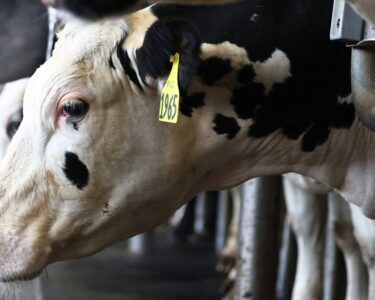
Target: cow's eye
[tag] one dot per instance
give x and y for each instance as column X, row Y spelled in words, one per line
column 12, row 128
column 14, row 123
column 75, row 110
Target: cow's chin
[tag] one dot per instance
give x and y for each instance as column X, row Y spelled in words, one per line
column 23, row 270
column 26, row 276
column 22, row 259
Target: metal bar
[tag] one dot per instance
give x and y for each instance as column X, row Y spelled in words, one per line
column 222, row 221
column 346, row 24
column 363, row 84
column 140, row 244
column 259, row 236
column 200, row 212
column 287, row 265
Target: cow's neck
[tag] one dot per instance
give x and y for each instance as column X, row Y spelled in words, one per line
column 340, row 162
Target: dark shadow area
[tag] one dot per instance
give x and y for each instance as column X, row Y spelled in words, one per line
column 167, row 271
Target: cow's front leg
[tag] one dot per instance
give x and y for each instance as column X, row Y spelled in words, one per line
column 364, row 230
column 307, row 215
column 341, row 223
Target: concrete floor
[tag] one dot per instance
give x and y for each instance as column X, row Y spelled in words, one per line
column 172, row 272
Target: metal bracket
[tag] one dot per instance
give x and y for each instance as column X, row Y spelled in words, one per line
column 346, row 25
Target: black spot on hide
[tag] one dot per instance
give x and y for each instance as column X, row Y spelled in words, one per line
column 343, row 115
column 214, row 69
column 226, row 125
column 126, row 64
column 189, row 103
column 75, row 170
column 246, row 98
column 246, row 74
column 315, row 136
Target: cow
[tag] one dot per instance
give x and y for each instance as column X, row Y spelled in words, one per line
column 306, row 206
column 364, row 229
column 262, row 91
column 11, row 99
column 306, row 202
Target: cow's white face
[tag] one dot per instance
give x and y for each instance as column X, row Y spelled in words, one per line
column 82, row 173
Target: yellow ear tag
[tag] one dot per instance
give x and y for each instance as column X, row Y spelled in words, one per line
column 170, row 94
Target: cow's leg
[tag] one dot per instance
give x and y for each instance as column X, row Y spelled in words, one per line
column 307, row 215
column 364, row 231
column 344, row 236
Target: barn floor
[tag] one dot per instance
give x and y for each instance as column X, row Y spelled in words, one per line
column 174, row 272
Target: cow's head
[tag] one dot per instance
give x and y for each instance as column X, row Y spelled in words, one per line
column 91, row 164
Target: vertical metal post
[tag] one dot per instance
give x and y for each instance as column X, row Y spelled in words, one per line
column 140, row 244
column 287, row 265
column 200, row 211
column 259, row 236
column 222, row 221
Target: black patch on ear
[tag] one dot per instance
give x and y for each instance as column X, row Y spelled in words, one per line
column 226, row 125
column 75, row 170
column 111, row 63
column 213, row 69
column 189, row 103
column 126, row 64
column 246, row 74
column 164, row 39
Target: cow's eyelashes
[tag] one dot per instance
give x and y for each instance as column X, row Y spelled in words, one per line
column 75, row 110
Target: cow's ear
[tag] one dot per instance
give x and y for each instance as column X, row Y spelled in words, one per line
column 162, row 40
